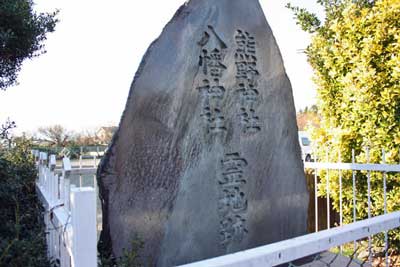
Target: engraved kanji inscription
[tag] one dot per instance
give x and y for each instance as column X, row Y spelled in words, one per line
column 232, row 204
column 247, row 81
column 211, row 91
column 233, row 229
column 233, row 200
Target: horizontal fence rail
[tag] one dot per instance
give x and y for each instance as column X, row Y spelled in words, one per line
column 63, row 203
column 70, row 213
column 331, row 169
column 79, row 171
column 300, row 247
column 352, row 166
column 285, row 252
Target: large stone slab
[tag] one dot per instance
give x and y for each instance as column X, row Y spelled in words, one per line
column 206, row 159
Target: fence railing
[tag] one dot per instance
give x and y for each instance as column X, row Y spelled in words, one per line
column 70, row 213
column 300, row 247
column 337, row 169
column 308, row 245
column 71, row 219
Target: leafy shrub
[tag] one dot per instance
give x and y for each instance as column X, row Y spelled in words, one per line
column 22, row 235
column 130, row 257
column 355, row 54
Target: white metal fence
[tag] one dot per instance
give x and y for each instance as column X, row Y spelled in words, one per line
column 70, row 213
column 337, row 169
column 71, row 218
column 300, row 247
column 297, row 248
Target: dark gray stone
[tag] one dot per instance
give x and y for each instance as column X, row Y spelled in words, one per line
column 206, row 159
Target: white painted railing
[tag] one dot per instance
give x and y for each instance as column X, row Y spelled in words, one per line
column 300, row 247
column 353, row 167
column 307, row 245
column 71, row 242
column 70, row 214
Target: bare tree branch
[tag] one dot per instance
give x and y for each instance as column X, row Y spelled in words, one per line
column 5, row 129
column 55, row 135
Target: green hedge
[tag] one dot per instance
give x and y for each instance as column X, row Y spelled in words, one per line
column 22, row 233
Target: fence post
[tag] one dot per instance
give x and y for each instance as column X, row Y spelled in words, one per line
column 52, row 162
column 46, row 173
column 53, row 192
column 83, row 221
column 35, row 154
column 40, row 169
column 353, row 161
column 66, row 165
column 328, row 198
column 41, row 172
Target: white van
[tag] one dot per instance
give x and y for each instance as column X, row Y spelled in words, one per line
column 305, row 145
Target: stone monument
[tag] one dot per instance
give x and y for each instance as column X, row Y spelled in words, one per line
column 206, row 159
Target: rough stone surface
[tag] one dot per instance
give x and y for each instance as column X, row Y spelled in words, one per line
column 206, row 159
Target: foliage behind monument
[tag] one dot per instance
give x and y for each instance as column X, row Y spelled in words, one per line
column 355, row 55
column 23, row 239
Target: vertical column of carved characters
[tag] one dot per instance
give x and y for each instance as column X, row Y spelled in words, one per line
column 247, row 81
column 217, row 91
column 252, row 93
column 241, row 73
column 232, row 205
column 211, row 91
column 204, row 89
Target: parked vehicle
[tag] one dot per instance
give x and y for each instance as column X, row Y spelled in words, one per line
column 305, row 144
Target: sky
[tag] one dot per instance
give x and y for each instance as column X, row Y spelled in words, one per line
column 83, row 80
